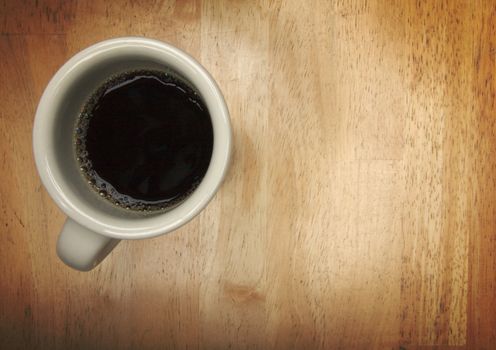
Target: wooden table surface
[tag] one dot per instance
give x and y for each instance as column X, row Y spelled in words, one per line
column 360, row 208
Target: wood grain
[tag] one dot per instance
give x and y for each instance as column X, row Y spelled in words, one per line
column 360, row 209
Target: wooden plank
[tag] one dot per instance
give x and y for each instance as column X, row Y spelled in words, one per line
column 437, row 174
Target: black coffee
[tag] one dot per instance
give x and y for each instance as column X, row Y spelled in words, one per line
column 144, row 140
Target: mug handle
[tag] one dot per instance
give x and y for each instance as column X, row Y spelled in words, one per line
column 81, row 248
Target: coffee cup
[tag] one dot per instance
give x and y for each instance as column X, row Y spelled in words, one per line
column 94, row 227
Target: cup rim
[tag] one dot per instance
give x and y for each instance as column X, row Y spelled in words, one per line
column 148, row 226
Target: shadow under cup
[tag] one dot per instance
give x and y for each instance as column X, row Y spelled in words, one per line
column 74, row 86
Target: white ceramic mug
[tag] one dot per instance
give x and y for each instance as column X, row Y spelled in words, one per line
column 94, row 226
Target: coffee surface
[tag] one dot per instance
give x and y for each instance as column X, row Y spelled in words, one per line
column 144, row 140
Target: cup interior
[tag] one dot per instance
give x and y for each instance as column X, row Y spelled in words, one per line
column 59, row 109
